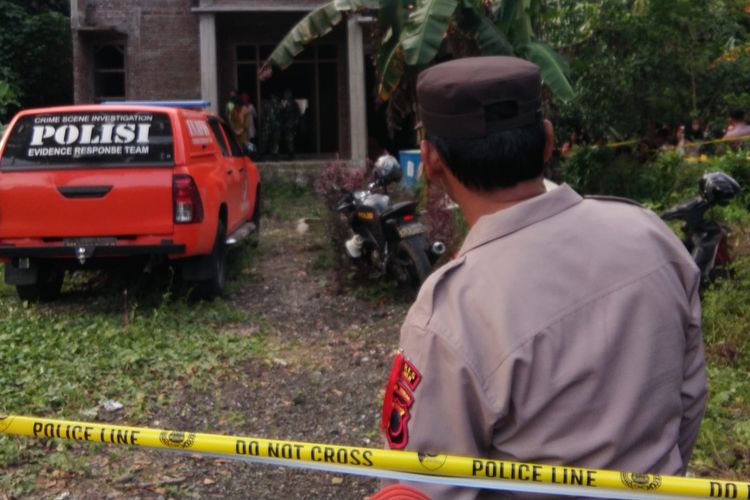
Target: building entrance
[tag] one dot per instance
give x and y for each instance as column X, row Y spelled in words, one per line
column 313, row 83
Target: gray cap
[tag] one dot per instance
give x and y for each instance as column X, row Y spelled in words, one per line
column 469, row 97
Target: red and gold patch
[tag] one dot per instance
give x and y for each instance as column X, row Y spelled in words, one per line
column 399, row 396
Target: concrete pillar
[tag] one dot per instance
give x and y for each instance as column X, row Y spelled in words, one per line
column 75, row 20
column 209, row 68
column 357, row 94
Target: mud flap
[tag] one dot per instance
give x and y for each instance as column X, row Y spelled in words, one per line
column 196, row 268
column 14, row 275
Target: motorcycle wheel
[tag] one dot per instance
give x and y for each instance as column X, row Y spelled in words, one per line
column 411, row 266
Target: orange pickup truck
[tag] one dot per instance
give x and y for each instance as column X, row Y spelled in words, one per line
column 100, row 185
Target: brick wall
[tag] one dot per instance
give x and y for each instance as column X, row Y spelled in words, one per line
column 267, row 4
column 162, row 58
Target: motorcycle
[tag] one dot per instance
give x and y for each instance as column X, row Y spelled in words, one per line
column 388, row 239
column 706, row 240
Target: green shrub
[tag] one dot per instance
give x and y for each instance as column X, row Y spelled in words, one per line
column 667, row 179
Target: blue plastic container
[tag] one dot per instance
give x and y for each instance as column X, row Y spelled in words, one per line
column 411, row 167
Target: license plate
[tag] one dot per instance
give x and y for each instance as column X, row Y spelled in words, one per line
column 90, row 242
column 411, row 229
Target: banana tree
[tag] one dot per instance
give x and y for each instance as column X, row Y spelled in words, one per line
column 413, row 32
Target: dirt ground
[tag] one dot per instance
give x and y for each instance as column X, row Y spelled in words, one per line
column 319, row 379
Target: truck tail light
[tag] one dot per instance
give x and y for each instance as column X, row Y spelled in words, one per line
column 187, row 200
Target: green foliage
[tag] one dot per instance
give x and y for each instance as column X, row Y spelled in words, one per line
column 62, row 362
column 7, row 98
column 669, row 178
column 425, row 30
column 315, row 25
column 637, row 64
column 413, row 33
column 723, row 441
column 289, row 200
column 35, row 54
column 552, row 66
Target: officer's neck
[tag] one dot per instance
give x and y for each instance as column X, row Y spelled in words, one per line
column 475, row 204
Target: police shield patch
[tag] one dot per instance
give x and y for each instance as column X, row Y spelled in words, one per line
column 399, row 397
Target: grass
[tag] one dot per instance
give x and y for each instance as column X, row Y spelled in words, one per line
column 723, row 445
column 290, row 201
column 62, row 360
column 58, row 362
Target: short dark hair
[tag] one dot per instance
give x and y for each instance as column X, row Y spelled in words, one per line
column 737, row 115
column 502, row 159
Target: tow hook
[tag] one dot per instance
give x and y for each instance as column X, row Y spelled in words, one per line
column 83, row 253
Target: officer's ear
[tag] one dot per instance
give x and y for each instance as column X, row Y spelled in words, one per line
column 434, row 165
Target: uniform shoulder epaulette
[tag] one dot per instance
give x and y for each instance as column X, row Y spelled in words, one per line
column 620, row 199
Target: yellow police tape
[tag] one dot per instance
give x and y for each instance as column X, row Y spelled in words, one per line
column 630, row 142
column 445, row 469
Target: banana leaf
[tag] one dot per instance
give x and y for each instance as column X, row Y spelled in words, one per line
column 390, row 69
column 392, row 16
column 491, row 40
column 508, row 13
column 315, row 25
column 355, row 5
column 425, row 30
column 552, row 66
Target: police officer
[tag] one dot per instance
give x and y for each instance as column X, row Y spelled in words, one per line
column 289, row 117
column 271, row 129
column 567, row 330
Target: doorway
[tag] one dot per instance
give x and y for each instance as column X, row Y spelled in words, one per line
column 313, row 82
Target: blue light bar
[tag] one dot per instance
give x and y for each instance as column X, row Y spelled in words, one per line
column 170, row 104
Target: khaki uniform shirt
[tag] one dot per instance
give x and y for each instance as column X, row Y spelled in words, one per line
column 567, row 331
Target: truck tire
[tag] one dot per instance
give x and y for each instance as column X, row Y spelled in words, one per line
column 216, row 266
column 47, row 287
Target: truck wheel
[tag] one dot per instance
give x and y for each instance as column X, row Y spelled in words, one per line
column 46, row 289
column 216, row 266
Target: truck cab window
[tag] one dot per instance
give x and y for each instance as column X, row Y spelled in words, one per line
column 216, row 129
column 234, row 146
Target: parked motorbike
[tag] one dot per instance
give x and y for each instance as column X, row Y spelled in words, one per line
column 388, row 239
column 706, row 240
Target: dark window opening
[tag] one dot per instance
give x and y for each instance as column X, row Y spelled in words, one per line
column 216, row 129
column 313, row 81
column 109, row 72
column 234, row 146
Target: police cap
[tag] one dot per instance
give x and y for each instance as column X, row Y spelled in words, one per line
column 469, row 97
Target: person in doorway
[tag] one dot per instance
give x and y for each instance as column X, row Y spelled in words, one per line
column 567, row 330
column 290, row 118
column 237, row 121
column 271, row 129
column 229, row 106
column 250, row 115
